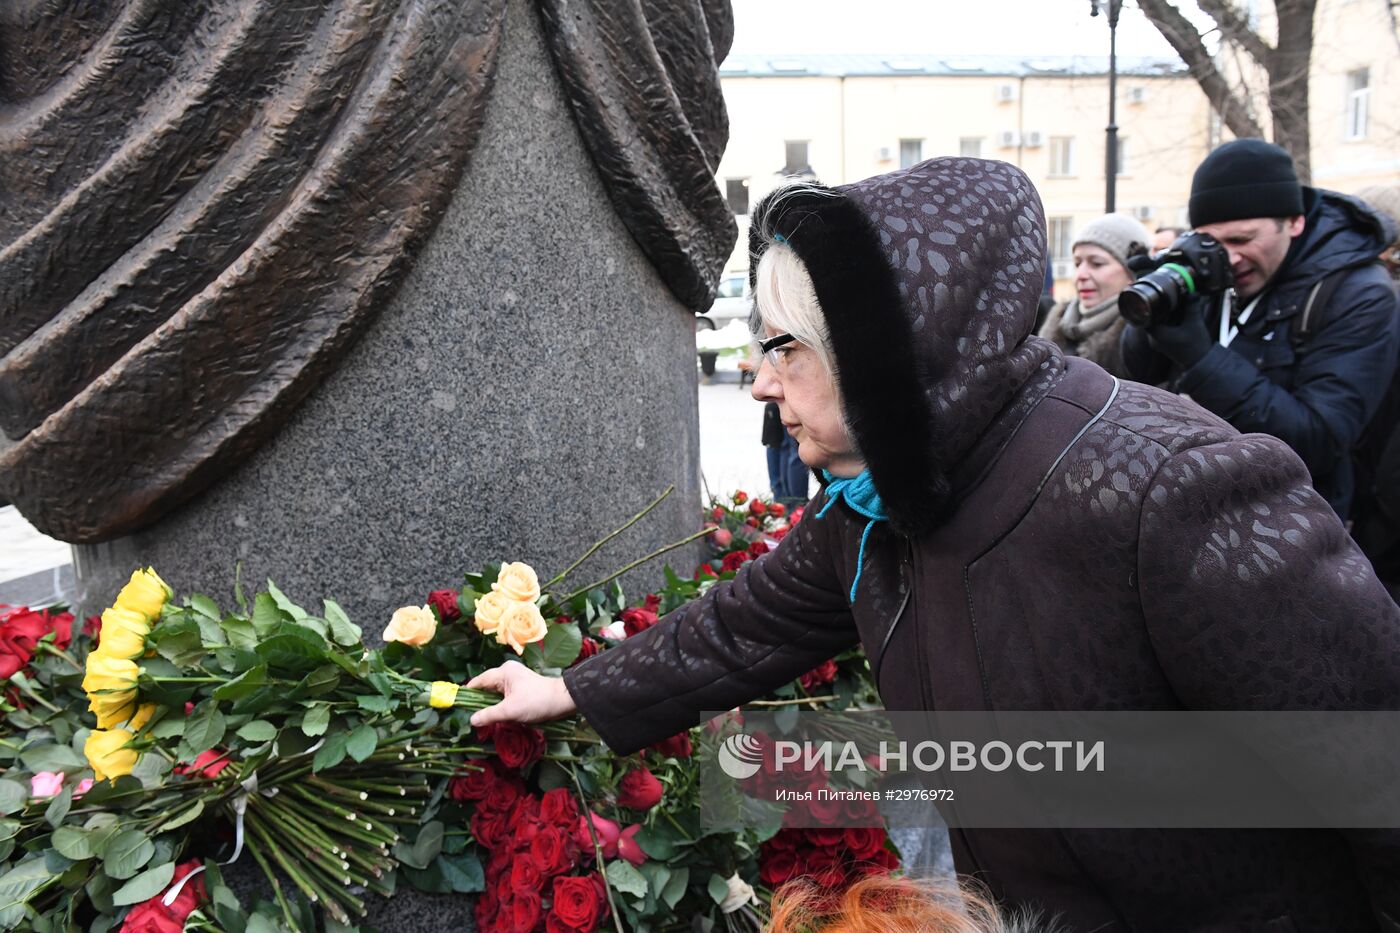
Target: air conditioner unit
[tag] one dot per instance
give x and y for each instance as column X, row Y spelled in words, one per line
column 1005, row 93
column 1062, row 268
column 1033, row 139
column 1008, row 139
column 884, row 154
column 1142, row 212
column 1137, row 95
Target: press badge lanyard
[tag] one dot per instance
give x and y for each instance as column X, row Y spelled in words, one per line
column 1228, row 330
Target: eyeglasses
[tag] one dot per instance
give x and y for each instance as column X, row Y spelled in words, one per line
column 769, row 349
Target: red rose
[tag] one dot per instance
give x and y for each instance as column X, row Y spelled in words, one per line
column 652, row 603
column 445, row 602
column 559, row 808
column 589, row 648
column 91, row 626
column 475, row 783
column 752, row 522
column 636, row 620
column 756, row 507
column 825, row 840
column 824, row 811
column 677, row 746
column 19, row 634
column 819, row 676
column 153, row 916
column 524, row 817
column 524, row 875
column 776, row 866
column 502, row 796
column 206, row 764
column 627, row 846
column 779, row 533
column 740, row 497
column 722, row 537
column 862, row 813
column 796, row 515
column 705, row 570
column 734, row 560
column 717, row 513
column 607, row 835
column 489, row 827
column 777, row 509
column 758, row 548
column 518, row 746
column 524, row 911
column 639, row 790
column 553, row 851
column 864, row 842
column 580, row 903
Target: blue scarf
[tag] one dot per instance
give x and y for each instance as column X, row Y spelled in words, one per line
column 859, row 493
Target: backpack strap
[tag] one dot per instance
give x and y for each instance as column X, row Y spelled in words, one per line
column 1319, row 300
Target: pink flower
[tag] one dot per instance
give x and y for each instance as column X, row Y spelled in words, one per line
column 83, row 787
column 46, row 784
column 627, row 846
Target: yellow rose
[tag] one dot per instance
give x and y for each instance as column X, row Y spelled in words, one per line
column 412, row 625
column 110, row 676
column 489, row 609
column 143, row 715
column 107, row 753
column 521, row 625
column 123, row 633
column 146, row 593
column 517, row 581
column 112, row 709
column 442, row 694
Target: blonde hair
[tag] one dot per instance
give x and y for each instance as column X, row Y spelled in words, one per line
column 785, row 299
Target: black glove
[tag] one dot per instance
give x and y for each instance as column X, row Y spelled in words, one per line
column 1184, row 343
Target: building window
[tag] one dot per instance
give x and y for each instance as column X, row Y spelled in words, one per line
column 970, row 147
column 911, row 152
column 1358, row 102
column 1120, row 167
column 796, row 154
column 1061, row 238
column 1061, row 155
column 736, row 192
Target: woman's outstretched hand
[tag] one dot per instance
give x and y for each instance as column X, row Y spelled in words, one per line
column 525, row 695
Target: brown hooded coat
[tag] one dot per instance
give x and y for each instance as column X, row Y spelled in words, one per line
column 1058, row 540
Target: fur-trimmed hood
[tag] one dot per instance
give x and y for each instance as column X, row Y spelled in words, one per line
column 928, row 278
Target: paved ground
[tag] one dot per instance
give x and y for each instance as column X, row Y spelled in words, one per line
column 36, row 569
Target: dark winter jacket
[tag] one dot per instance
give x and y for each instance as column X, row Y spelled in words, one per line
column 1058, row 540
column 1318, row 394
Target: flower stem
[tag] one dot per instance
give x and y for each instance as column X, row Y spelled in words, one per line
column 594, row 549
column 276, row 885
column 597, row 851
column 638, row 562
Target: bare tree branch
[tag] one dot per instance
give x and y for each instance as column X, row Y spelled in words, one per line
column 1183, row 37
column 1235, row 28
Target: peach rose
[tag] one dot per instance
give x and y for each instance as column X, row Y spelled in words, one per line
column 521, row 625
column 488, row 612
column 412, row 625
column 517, row 581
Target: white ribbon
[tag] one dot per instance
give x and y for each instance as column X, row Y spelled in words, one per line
column 174, row 892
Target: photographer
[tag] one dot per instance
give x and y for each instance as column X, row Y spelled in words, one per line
column 1315, row 385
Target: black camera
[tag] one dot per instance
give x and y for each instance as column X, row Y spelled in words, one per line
column 1196, row 264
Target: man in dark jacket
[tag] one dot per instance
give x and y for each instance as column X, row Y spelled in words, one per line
column 1044, row 537
column 1316, row 393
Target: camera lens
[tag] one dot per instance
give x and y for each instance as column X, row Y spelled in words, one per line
column 1152, row 298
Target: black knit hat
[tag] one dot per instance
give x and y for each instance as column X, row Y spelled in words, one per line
column 1242, row 179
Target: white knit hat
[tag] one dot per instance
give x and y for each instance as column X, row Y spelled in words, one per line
column 1118, row 235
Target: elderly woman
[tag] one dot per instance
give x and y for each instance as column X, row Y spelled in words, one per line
column 1007, row 528
column 1089, row 324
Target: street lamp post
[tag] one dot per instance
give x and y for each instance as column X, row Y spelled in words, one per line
column 1111, row 156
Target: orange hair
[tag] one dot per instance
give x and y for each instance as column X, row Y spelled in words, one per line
column 883, row 903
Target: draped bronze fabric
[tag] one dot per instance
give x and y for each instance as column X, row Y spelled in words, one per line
column 204, row 202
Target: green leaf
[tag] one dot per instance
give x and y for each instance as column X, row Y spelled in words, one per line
column 242, row 685
column 73, row 842
column 126, row 852
column 16, row 885
column 623, row 877
column 676, row 887
column 319, row 682
column 58, row 807
column 343, row 631
column 259, row 730
column 463, row 872
column 12, row 796
column 658, row 841
column 428, row 845
column 51, row 758
column 169, row 728
column 179, row 642
column 373, row 704
column 562, row 645
column 205, row 606
column 180, row 819
column 290, row 653
column 362, row 743
column 241, row 633
column 145, row 885
column 285, row 604
column 330, row 754
column 266, row 615
column 316, row 720
column 718, row 888
column 205, row 728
